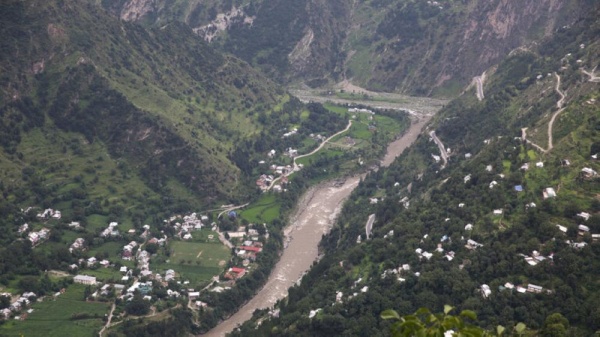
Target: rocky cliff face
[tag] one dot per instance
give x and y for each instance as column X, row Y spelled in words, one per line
column 446, row 45
column 319, row 54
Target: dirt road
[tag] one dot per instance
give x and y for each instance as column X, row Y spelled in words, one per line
column 479, row 86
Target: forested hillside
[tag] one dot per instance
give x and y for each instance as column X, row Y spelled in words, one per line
column 508, row 227
column 160, row 101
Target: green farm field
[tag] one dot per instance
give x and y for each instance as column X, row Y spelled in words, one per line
column 53, row 317
column 266, row 209
column 195, row 261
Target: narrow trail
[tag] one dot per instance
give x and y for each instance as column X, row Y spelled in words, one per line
column 112, row 309
column 559, row 105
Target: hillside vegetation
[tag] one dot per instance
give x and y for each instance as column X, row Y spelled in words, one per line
column 483, row 232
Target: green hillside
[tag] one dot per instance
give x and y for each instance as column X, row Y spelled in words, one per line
column 160, row 101
column 486, row 220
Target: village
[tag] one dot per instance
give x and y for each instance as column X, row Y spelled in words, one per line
column 134, row 264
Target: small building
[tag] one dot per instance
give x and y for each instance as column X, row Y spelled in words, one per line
column 583, row 229
column 519, row 188
column 91, row 261
column 85, row 279
column 532, row 288
column 485, row 291
column 584, row 215
column 472, row 244
column 235, row 273
column 549, row 193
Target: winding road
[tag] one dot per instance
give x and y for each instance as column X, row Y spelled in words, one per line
column 592, row 75
column 296, row 167
column 559, row 105
column 440, row 145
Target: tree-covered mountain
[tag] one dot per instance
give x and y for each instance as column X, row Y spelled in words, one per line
column 417, row 47
column 159, row 102
column 509, row 227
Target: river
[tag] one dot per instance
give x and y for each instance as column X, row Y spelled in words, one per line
column 314, row 216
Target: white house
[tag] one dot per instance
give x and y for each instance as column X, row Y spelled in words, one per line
column 485, row 291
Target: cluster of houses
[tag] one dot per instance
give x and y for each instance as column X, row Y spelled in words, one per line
column 398, row 272
column 17, row 305
column 248, row 251
column 39, row 236
column 536, row 258
column 111, row 230
column 50, row 213
column 186, row 224
column 127, row 253
column 265, row 180
column 290, row 133
column 531, row 288
column 77, row 245
column 435, row 4
column 359, row 110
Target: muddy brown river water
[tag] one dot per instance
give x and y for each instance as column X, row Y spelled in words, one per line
column 314, row 216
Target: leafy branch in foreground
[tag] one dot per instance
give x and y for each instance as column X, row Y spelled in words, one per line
column 425, row 324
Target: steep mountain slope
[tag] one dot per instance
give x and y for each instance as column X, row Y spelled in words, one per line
column 160, row 100
column 417, row 47
column 497, row 229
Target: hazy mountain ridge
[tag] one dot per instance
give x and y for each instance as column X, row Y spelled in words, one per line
column 417, row 47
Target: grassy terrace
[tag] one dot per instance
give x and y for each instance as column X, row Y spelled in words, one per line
column 265, row 209
column 55, row 317
column 197, row 260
